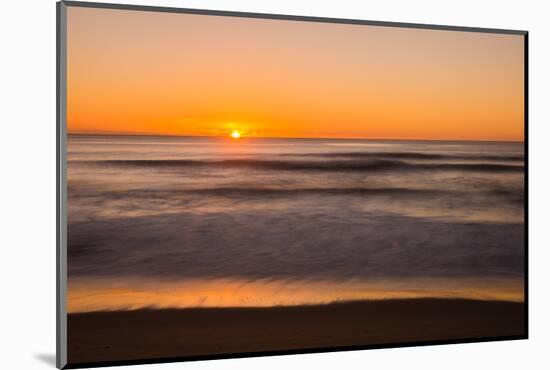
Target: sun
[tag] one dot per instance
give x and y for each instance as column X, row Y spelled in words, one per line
column 235, row 134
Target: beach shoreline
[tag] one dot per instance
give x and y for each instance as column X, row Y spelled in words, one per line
column 149, row 334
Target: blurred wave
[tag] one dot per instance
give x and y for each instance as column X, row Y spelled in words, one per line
column 176, row 209
column 334, row 165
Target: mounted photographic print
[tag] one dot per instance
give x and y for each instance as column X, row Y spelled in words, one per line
column 238, row 184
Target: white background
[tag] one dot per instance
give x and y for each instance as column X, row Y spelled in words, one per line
column 27, row 209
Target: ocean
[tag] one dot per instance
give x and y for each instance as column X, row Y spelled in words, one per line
column 206, row 222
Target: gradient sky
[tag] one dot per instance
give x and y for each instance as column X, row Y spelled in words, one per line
column 181, row 74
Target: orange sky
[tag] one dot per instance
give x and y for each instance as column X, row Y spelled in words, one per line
column 180, row 74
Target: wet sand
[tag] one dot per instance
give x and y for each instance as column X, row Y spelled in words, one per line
column 166, row 333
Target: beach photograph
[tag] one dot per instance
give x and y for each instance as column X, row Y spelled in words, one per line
column 241, row 186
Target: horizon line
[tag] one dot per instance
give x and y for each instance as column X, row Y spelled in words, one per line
column 135, row 134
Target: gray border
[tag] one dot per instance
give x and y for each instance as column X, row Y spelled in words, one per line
column 61, row 186
column 287, row 17
column 61, row 167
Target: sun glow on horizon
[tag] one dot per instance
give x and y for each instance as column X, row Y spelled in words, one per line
column 235, row 134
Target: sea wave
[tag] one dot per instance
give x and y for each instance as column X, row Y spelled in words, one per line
column 512, row 194
column 411, row 155
column 295, row 165
column 290, row 245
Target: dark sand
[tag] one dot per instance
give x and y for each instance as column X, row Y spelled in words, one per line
column 163, row 333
